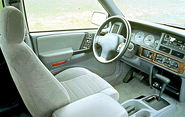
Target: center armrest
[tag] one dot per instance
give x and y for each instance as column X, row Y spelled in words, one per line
column 97, row 105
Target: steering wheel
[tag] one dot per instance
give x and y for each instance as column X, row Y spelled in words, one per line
column 111, row 46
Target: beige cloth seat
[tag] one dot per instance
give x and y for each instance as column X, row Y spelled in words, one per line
column 43, row 93
column 81, row 83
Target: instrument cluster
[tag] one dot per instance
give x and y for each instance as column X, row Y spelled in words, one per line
column 145, row 39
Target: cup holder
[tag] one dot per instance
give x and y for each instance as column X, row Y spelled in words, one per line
column 143, row 113
column 136, row 108
column 139, row 107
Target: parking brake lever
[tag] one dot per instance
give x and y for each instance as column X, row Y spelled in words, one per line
column 165, row 81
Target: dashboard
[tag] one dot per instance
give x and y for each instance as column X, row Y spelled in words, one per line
column 159, row 49
column 164, row 49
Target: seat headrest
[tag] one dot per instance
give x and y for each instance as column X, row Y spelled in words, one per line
column 12, row 28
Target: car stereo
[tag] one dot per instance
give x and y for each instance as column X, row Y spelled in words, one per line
column 174, row 42
column 173, row 45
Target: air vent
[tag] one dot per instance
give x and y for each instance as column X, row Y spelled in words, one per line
column 177, row 54
column 164, row 49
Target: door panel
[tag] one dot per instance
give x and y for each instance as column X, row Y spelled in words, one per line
column 51, row 58
column 55, row 49
column 62, row 47
column 61, row 41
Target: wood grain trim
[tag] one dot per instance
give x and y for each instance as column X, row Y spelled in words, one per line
column 181, row 66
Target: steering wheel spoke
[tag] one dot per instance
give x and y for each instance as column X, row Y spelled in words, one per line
column 120, row 47
column 98, row 39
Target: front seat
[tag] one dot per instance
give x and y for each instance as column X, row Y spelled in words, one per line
column 44, row 93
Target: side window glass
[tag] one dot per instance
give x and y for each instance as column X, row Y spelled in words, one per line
column 44, row 15
column 1, row 5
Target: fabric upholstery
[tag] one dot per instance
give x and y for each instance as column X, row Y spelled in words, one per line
column 12, row 23
column 97, row 105
column 81, row 83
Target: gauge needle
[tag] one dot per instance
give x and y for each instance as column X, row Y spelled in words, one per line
column 147, row 39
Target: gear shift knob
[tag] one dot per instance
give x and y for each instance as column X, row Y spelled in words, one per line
column 165, row 81
column 162, row 78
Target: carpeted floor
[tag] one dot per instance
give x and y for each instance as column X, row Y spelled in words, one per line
column 135, row 88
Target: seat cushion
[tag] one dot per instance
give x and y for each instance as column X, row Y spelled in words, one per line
column 80, row 83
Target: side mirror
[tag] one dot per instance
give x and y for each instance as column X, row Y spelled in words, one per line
column 98, row 18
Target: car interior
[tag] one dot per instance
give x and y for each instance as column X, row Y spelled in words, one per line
column 123, row 68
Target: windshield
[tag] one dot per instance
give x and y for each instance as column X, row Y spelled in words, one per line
column 170, row 12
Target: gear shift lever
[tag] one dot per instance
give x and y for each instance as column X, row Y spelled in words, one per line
column 165, row 81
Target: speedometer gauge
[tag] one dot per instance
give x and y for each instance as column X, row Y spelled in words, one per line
column 149, row 40
column 139, row 36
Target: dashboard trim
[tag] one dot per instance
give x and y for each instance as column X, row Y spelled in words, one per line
column 181, row 66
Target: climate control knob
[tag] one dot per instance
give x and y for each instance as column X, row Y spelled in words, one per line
column 167, row 62
column 159, row 58
column 174, row 64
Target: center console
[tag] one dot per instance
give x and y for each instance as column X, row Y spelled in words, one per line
column 148, row 106
column 173, row 88
column 168, row 60
column 153, row 105
column 169, row 67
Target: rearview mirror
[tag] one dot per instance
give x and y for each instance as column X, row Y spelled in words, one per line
column 98, row 18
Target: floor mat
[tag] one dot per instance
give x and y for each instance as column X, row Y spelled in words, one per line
column 132, row 89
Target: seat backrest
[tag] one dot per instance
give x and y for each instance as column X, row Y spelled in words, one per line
column 39, row 89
